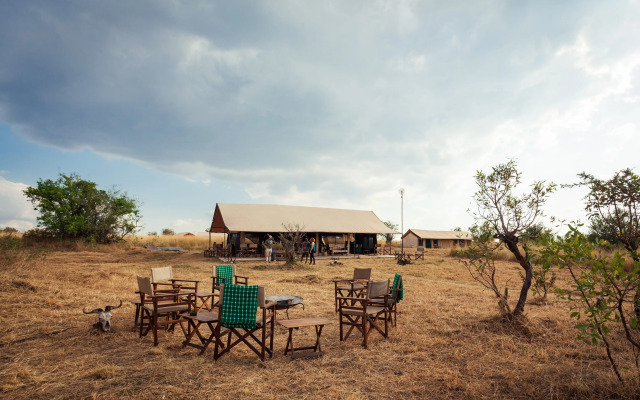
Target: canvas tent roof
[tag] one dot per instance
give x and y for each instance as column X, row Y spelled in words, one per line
column 272, row 218
column 424, row 234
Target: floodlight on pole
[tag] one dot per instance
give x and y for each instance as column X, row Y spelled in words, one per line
column 402, row 217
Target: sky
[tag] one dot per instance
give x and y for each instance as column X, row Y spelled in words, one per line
column 338, row 104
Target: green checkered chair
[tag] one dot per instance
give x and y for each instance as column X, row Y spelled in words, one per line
column 224, row 274
column 248, row 318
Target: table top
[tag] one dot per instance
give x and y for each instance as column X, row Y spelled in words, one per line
column 300, row 322
column 285, row 300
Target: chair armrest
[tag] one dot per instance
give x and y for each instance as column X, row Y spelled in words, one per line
column 166, row 291
column 185, row 280
column 218, row 280
column 244, row 279
column 164, row 296
column 349, row 298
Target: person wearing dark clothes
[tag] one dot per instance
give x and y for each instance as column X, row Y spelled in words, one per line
column 312, row 252
column 306, row 248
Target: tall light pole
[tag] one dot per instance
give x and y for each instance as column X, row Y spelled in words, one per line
column 402, row 217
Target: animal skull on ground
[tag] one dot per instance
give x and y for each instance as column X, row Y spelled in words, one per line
column 104, row 316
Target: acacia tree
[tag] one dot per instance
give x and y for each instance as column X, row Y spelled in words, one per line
column 507, row 216
column 603, row 292
column 71, row 207
column 291, row 241
column 616, row 202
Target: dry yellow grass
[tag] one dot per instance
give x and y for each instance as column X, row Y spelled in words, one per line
column 185, row 242
column 448, row 342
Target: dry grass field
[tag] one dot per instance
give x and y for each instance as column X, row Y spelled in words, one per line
column 449, row 343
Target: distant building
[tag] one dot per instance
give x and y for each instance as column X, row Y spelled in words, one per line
column 436, row 239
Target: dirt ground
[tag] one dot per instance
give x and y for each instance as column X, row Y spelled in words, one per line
column 449, row 342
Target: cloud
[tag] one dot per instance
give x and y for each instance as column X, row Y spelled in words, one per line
column 16, row 211
column 328, row 103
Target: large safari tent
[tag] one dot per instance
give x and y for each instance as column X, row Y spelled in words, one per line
column 353, row 230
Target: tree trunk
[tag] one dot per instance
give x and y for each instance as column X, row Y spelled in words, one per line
column 512, row 245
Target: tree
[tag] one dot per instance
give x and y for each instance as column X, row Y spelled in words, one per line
column 291, row 240
column 507, row 216
column 615, row 203
column 168, row 232
column 602, row 228
column 9, row 229
column 388, row 237
column 603, row 293
column 71, row 207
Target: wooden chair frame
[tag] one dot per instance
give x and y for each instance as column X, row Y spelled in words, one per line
column 392, row 304
column 351, row 287
column 159, row 308
column 196, row 321
column 362, row 314
column 419, row 254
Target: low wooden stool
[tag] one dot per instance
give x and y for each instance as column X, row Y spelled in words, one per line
column 292, row 324
column 194, row 322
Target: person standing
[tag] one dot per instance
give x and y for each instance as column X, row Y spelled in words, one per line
column 306, row 248
column 312, row 252
column 268, row 248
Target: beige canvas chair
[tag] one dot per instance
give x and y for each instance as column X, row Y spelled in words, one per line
column 362, row 314
column 351, row 287
column 159, row 308
column 396, row 294
column 163, row 276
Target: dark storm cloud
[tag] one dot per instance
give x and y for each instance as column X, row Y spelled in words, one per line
column 316, row 95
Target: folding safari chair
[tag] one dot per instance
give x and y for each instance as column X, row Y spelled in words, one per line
column 159, row 308
column 351, row 287
column 238, row 313
column 362, row 314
